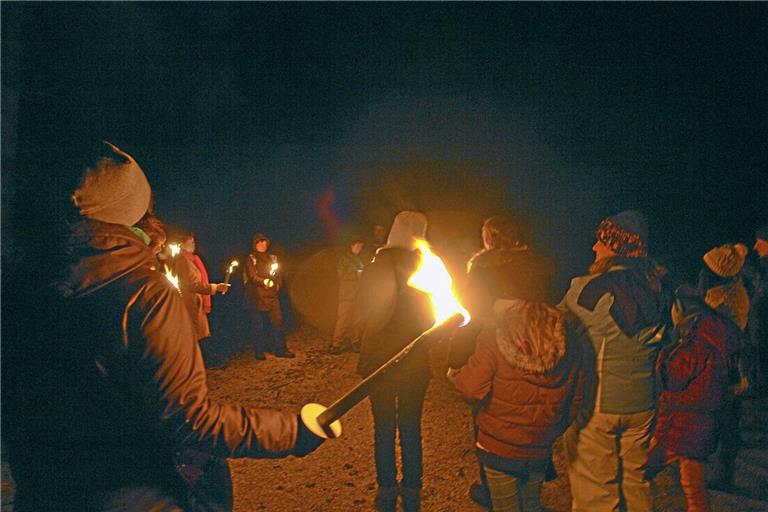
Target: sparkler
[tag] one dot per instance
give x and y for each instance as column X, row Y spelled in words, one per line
column 175, row 249
column 430, row 277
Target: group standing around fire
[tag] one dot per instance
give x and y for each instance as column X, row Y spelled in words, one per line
column 630, row 373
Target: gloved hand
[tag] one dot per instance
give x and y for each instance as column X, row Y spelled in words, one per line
column 306, row 441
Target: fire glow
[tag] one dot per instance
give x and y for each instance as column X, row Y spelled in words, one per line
column 432, row 278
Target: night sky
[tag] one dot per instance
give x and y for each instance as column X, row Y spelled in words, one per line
column 244, row 115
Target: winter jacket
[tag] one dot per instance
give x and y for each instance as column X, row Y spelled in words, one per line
column 262, row 281
column 392, row 315
column 516, row 273
column 532, row 376
column 695, row 375
column 193, row 287
column 348, row 270
column 624, row 308
column 112, row 385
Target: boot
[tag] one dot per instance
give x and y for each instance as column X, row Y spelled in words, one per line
column 480, row 494
column 411, row 499
column 386, row 499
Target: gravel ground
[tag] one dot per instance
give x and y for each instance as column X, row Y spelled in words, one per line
column 340, row 475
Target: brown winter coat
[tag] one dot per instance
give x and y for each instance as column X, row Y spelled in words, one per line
column 532, row 377
column 118, row 386
column 192, row 291
column 256, row 272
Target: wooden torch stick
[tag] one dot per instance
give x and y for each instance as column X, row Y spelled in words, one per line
column 324, row 421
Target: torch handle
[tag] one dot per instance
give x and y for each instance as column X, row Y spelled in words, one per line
column 357, row 394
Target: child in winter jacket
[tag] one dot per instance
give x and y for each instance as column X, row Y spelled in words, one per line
column 694, row 375
column 531, row 378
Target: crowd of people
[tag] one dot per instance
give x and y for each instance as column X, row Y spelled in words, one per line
column 110, row 404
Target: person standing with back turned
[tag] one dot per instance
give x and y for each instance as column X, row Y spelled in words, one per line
column 623, row 305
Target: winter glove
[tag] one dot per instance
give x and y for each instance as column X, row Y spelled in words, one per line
column 306, row 441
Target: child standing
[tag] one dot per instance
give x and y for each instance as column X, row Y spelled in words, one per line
column 695, row 374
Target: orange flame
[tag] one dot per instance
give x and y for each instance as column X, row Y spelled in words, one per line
column 432, row 278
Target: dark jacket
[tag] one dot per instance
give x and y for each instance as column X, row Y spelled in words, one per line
column 348, row 270
column 262, row 283
column 112, row 386
column 516, row 273
column 392, row 315
column 694, row 376
column 533, row 377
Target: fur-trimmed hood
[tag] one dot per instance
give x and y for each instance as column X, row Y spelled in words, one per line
column 530, row 335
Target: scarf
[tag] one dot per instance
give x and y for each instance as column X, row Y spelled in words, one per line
column 194, row 258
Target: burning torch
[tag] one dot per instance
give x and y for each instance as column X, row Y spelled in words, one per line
column 230, row 269
column 430, row 277
column 269, row 282
column 174, row 249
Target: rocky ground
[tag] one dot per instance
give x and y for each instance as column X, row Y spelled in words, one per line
column 340, row 475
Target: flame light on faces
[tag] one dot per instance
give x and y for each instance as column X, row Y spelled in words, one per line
column 430, row 277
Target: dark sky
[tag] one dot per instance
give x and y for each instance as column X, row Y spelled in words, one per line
column 243, row 114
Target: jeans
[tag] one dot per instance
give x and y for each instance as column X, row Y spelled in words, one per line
column 511, row 494
column 398, row 405
column 266, row 330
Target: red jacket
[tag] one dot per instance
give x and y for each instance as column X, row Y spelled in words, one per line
column 695, row 376
column 532, row 376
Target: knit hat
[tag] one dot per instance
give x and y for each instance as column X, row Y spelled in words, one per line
column 407, row 226
column 726, row 260
column 625, row 233
column 115, row 190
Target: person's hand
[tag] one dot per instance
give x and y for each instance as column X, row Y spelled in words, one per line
column 222, row 288
column 306, row 441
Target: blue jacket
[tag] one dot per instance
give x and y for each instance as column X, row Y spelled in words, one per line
column 624, row 310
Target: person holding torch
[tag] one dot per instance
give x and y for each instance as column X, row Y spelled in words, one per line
column 392, row 314
column 262, row 277
column 195, row 288
column 103, row 382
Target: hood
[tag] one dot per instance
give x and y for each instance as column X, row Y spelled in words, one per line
column 730, row 300
column 407, row 226
column 102, row 253
column 530, row 335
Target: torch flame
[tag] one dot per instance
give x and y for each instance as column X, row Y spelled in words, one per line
column 232, row 266
column 175, row 249
column 273, row 268
column 174, row 279
column 432, row 278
